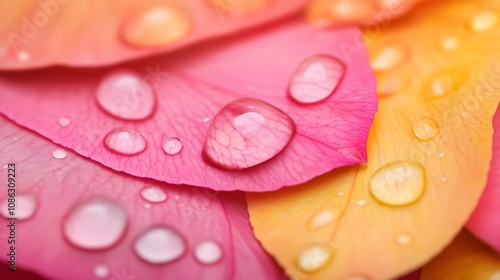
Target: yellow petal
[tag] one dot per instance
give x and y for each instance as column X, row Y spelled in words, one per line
column 465, row 258
column 428, row 154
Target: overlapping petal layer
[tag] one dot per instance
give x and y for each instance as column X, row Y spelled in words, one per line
column 428, row 154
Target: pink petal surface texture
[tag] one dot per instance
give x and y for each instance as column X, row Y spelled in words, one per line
column 190, row 88
column 484, row 222
column 90, row 33
column 91, row 222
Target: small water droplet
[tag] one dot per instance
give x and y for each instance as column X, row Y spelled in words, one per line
column 425, row 129
column 160, row 245
column 403, row 239
column 153, row 194
column 324, row 218
column 124, row 94
column 95, row 224
column 157, row 26
column 15, row 138
column 177, row 198
column 313, row 259
column 64, row 121
column 26, row 205
column 205, row 119
column 125, row 141
column 484, row 21
column 208, row 252
column 361, row 202
column 23, row 56
column 5, row 166
column 101, row 271
column 316, row 78
column 59, row 154
column 398, row 183
column 444, row 179
column 444, row 82
column 341, row 193
column 388, row 58
column 450, row 43
column 245, row 133
column 172, row 145
column 147, row 206
column 441, row 155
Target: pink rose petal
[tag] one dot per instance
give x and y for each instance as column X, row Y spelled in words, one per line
column 197, row 215
column 191, row 87
column 484, row 223
column 87, row 33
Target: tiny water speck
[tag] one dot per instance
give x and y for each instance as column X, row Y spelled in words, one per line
column 59, row 154
column 101, row 271
column 441, row 155
column 205, row 119
column 64, row 121
column 444, row 179
column 361, row 202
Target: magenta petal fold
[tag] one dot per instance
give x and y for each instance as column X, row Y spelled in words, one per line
column 57, row 185
column 190, row 88
column 484, row 223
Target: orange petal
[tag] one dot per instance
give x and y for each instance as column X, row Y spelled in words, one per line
column 465, row 258
column 90, row 33
column 428, row 155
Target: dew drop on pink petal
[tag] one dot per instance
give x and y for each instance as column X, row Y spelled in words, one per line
column 125, row 141
column 153, row 194
column 316, row 78
column 208, row 252
column 172, row 146
column 24, row 209
column 125, row 95
column 95, row 224
column 245, row 133
column 160, row 245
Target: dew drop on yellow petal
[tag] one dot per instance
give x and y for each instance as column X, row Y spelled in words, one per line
column 450, row 43
column 324, row 218
column 398, row 183
column 157, row 26
column 484, row 21
column 403, row 239
column 425, row 129
column 388, row 58
column 444, row 82
column 313, row 259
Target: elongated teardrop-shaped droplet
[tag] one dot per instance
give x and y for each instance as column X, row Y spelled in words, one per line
column 125, row 141
column 172, row 145
column 25, row 207
column 157, row 26
column 444, row 82
column 153, row 194
column 388, row 58
column 316, row 78
column 398, row 183
column 245, row 133
column 95, row 224
column 124, row 94
column 160, row 245
column 208, row 252
column 312, row 259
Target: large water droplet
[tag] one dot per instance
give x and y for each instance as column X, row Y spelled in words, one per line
column 125, row 141
column 312, row 259
column 101, row 271
column 153, row 194
column 316, row 78
column 425, row 129
column 247, row 132
column 126, row 95
column 388, row 58
column 172, row 145
column 25, row 207
column 484, row 21
column 95, row 224
column 157, row 26
column 398, row 183
column 59, row 154
column 444, row 82
column 160, row 245
column 208, row 252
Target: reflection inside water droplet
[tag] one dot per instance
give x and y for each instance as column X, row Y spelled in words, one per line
column 172, row 145
column 125, row 141
column 313, row 259
column 160, row 245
